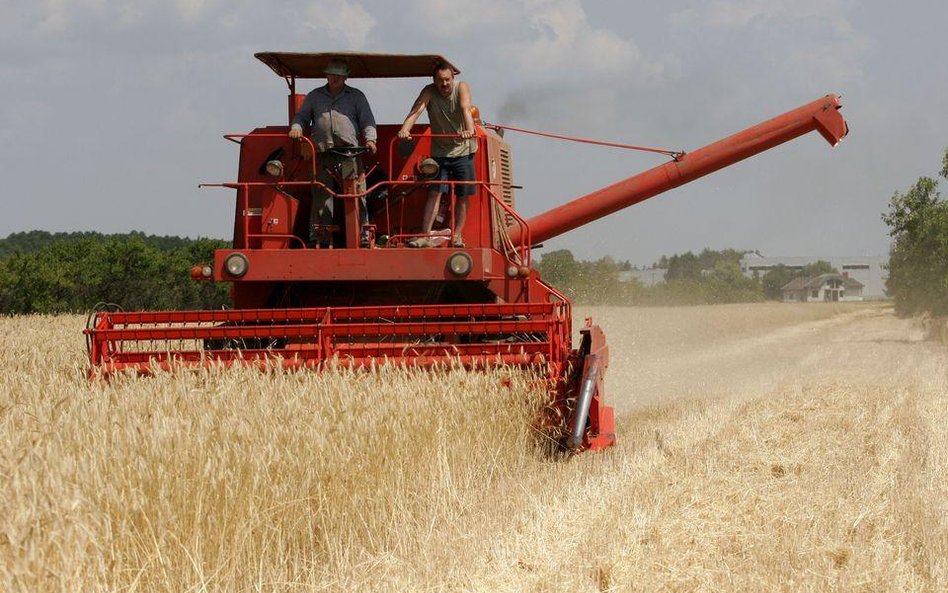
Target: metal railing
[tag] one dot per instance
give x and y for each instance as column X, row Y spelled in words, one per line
column 516, row 254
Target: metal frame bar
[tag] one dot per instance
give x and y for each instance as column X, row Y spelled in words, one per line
column 527, row 334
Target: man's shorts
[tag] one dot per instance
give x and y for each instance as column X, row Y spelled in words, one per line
column 456, row 168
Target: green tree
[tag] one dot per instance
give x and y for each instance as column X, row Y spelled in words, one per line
column 918, row 260
column 727, row 284
column 684, row 266
column 775, row 279
column 818, row 268
column 598, row 281
column 72, row 272
column 559, row 268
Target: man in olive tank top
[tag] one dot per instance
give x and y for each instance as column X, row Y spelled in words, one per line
column 448, row 103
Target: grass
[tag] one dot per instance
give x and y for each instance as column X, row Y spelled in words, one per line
column 404, row 481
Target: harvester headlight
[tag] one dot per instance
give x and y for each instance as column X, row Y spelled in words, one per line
column 206, row 271
column 275, row 168
column 236, row 264
column 460, row 264
column 428, row 168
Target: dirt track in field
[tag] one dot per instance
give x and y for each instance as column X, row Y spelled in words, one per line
column 662, row 354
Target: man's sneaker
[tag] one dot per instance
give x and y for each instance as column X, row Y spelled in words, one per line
column 419, row 242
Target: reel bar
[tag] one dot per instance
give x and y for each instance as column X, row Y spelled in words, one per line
column 317, row 314
column 221, row 332
column 474, row 335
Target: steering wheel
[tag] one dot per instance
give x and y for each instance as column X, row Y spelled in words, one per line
column 348, row 152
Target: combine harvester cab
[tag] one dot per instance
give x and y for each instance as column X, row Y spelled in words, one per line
column 365, row 297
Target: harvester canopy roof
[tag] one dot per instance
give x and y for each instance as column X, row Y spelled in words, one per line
column 361, row 65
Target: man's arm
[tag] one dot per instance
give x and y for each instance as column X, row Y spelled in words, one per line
column 303, row 116
column 366, row 122
column 420, row 104
column 464, row 98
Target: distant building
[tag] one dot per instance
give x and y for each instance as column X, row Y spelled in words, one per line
column 867, row 270
column 647, row 277
column 822, row 288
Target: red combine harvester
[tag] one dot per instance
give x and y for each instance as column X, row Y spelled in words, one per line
column 362, row 304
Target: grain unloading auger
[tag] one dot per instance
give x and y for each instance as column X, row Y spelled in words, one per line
column 361, row 304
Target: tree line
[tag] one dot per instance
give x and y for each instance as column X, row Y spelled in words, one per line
column 918, row 258
column 43, row 272
column 708, row 277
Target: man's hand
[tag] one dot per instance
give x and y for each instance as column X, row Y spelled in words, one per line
column 404, row 134
column 371, row 145
column 296, row 132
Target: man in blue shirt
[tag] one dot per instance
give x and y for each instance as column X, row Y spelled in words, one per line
column 336, row 115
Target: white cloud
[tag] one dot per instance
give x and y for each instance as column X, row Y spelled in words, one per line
column 810, row 41
column 340, row 19
column 191, row 11
column 744, row 13
column 54, row 16
column 836, row 61
column 740, row 13
column 129, row 15
column 450, row 18
column 25, row 119
column 562, row 41
column 543, row 40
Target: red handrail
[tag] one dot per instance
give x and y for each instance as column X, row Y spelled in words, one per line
column 243, row 187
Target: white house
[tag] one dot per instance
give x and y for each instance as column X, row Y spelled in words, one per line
column 868, row 270
column 823, row 288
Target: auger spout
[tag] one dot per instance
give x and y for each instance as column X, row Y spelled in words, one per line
column 821, row 115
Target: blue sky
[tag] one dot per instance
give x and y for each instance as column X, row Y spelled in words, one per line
column 112, row 112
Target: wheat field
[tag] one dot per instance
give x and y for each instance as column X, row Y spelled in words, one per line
column 761, row 447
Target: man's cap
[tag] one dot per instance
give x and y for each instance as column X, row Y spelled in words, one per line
column 337, row 67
